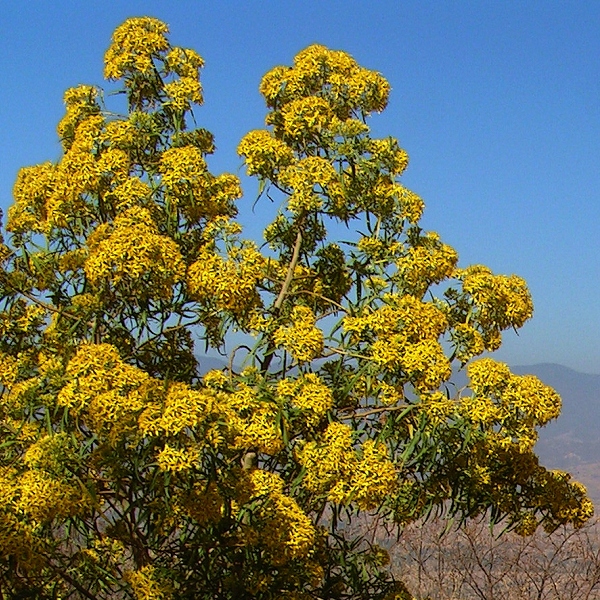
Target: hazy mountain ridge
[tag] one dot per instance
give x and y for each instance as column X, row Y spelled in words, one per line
column 571, row 442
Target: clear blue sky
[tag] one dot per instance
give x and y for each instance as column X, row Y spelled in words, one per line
column 497, row 104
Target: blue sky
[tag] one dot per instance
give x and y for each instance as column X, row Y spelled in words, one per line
column 497, row 104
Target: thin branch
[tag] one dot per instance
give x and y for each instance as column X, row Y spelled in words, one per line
column 290, row 272
column 282, row 294
column 376, row 411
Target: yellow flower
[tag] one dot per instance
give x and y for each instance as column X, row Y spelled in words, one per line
column 176, row 459
column 134, row 44
column 488, row 376
column 438, row 407
column 146, row 584
column 374, row 477
column 428, row 263
column 43, row 498
column 306, row 117
column 183, row 91
column 182, row 166
column 264, row 155
column 253, row 420
column 81, row 102
column 135, row 253
column 309, row 177
column 31, row 191
column 302, row 339
column 184, row 408
column 309, row 393
column 131, row 192
column 333, row 74
column 110, row 392
column 184, row 61
column 502, row 302
column 285, row 530
column 228, row 284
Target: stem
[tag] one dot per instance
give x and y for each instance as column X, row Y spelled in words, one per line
column 290, row 273
column 282, row 294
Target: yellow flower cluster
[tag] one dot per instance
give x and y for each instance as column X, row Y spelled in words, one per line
column 110, row 392
column 119, row 134
column 216, row 199
column 129, row 193
column 306, row 117
column 253, row 420
column 228, row 284
column 404, row 334
column 424, row 362
column 284, row 529
column 480, row 410
column 425, row 264
column 182, row 408
column 31, row 189
column 501, row 302
column 49, row 453
column 487, row 376
column 77, row 174
column 133, row 252
column 81, row 102
column 348, row 86
column 43, row 497
column 114, row 163
column 264, row 154
column 518, row 403
column 335, row 468
column 184, row 91
column 182, row 168
column 184, row 61
column 302, row 338
column 529, row 396
column 306, row 175
column 387, row 394
column 146, row 585
column 134, row 44
column 391, row 157
column 378, row 249
column 309, row 394
column 567, row 499
column 468, row 342
column 437, row 407
column 17, row 537
column 412, row 205
column 176, row 459
column 47, row 195
column 22, row 319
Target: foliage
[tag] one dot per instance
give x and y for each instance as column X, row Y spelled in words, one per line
column 125, row 472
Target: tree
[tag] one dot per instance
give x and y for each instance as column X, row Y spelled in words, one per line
column 126, row 472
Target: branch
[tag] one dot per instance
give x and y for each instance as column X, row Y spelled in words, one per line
column 290, row 273
column 282, row 293
column 375, row 411
column 37, row 300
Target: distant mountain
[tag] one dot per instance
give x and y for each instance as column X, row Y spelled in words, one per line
column 211, row 363
column 572, row 442
column 580, row 393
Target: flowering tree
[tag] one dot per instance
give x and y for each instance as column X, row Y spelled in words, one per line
column 125, row 472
